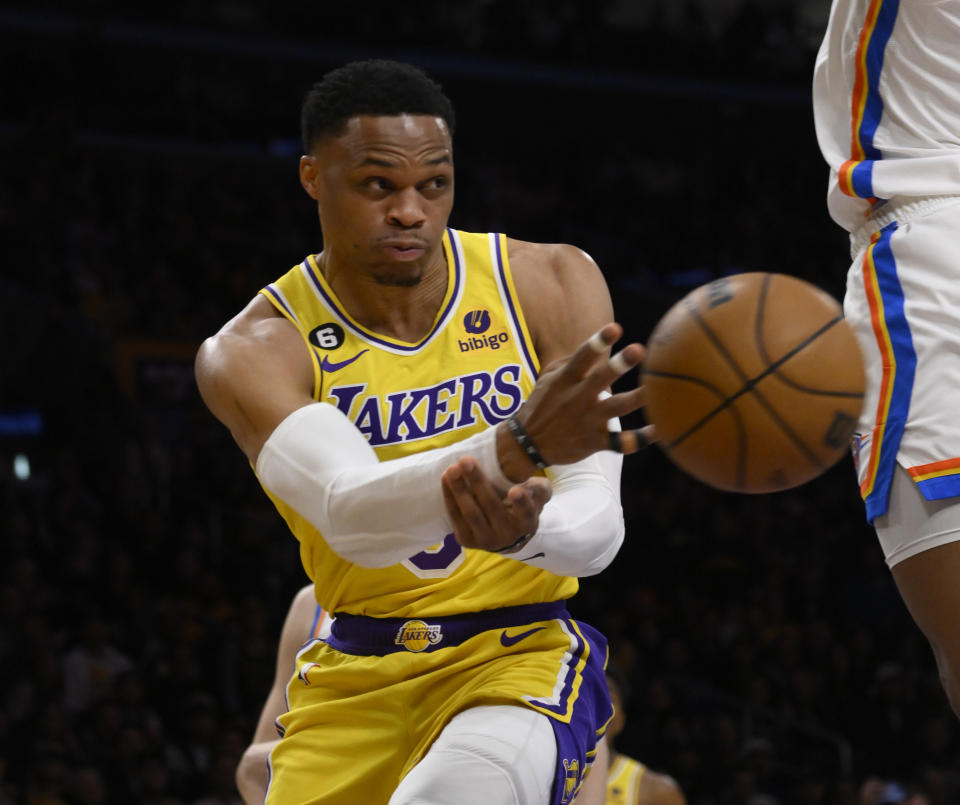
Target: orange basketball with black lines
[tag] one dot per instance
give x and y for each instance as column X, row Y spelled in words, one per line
column 754, row 382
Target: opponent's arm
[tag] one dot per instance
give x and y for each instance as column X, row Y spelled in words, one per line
column 256, row 377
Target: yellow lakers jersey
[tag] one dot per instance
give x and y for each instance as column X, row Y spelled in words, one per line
column 472, row 370
column 623, row 781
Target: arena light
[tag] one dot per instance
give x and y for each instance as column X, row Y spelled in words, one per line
column 21, row 467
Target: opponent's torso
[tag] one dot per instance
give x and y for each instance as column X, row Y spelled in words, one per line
column 887, row 102
column 623, row 780
column 473, row 369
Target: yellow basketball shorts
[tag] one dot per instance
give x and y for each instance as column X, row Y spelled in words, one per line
column 366, row 704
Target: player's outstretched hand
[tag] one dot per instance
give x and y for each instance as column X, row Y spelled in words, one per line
column 566, row 418
column 485, row 518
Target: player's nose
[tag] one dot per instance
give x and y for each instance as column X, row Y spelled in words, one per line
column 406, row 209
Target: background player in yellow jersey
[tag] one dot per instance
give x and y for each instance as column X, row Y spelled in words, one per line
column 630, row 782
column 427, row 410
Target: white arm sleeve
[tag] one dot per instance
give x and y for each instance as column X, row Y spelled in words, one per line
column 581, row 527
column 372, row 513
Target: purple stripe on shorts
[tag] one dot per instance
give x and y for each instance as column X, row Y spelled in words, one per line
column 570, row 674
column 591, row 712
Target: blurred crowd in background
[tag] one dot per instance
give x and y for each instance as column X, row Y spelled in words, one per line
column 148, row 165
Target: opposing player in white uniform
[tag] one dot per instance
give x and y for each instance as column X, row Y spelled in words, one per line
column 887, row 112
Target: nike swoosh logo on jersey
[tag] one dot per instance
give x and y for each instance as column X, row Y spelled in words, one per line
column 330, row 366
column 511, row 640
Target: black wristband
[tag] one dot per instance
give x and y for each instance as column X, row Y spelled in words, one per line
column 513, row 546
column 526, row 443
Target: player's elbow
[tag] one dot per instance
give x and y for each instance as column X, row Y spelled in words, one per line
column 608, row 540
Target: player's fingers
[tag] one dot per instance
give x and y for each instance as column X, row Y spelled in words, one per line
column 468, row 519
column 590, row 351
column 494, row 522
column 461, row 529
column 523, row 508
column 632, row 440
column 622, row 403
column 483, row 491
column 606, row 372
column 540, row 489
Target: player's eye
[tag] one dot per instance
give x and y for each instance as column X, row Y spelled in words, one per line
column 376, row 183
column 435, row 184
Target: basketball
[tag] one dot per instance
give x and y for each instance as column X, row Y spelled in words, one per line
column 754, row 382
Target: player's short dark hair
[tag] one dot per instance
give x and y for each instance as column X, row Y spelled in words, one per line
column 372, row 87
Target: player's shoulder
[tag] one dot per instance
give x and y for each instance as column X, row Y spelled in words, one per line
column 546, row 258
column 562, row 292
column 257, row 325
column 255, row 346
column 257, row 320
column 549, row 272
column 302, row 613
column 305, row 600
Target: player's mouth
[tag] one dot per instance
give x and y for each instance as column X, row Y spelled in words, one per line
column 404, row 249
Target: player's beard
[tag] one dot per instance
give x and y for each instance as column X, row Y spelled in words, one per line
column 398, row 281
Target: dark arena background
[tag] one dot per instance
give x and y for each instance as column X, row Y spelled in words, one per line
column 148, row 164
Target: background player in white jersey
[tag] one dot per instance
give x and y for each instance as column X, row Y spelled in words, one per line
column 408, row 458
column 887, row 113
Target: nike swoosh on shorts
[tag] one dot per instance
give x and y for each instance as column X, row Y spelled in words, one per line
column 329, row 366
column 510, row 640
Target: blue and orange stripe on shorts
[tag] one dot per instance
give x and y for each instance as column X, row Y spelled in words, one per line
column 899, row 361
column 856, row 174
column 938, row 479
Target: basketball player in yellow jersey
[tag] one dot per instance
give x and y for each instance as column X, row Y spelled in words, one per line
column 630, row 782
column 428, row 410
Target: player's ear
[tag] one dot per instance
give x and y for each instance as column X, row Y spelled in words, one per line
column 309, row 175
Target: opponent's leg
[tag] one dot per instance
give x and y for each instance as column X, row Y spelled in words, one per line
column 494, row 755
column 921, row 540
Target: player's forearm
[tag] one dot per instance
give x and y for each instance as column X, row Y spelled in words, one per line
column 370, row 512
column 581, row 527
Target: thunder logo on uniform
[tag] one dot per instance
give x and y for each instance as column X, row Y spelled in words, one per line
column 855, row 176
